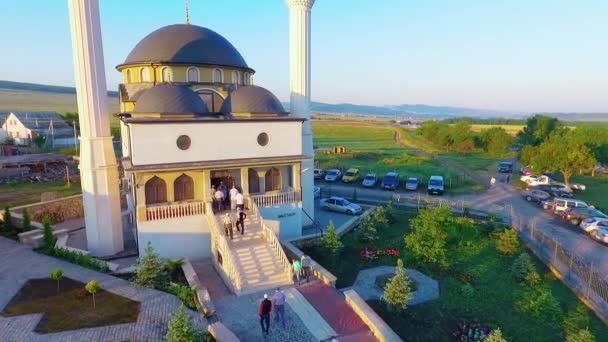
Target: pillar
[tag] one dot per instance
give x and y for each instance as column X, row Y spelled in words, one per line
column 299, row 87
column 262, row 180
column 245, row 180
column 98, row 167
column 207, row 195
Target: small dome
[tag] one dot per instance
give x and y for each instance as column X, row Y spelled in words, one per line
column 186, row 44
column 252, row 99
column 170, row 99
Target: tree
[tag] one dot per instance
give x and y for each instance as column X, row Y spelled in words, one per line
column 92, row 287
column 398, row 290
column 495, row 336
column 27, row 222
column 507, row 242
column 39, row 140
column 56, row 275
column 576, row 319
column 380, row 219
column 565, row 152
column 427, row 239
column 495, row 141
column 48, row 239
column 527, row 153
column 150, row 270
column 179, row 328
column 583, row 335
column 538, row 128
column 596, row 139
column 390, row 213
column 8, row 220
column 330, row 241
column 366, row 230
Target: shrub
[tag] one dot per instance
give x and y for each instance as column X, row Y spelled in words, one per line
column 56, row 275
column 174, row 266
column 48, row 239
column 577, row 318
column 507, row 242
column 397, row 291
column 583, row 335
column 522, row 266
column 186, row 294
column 27, row 222
column 389, row 212
column 78, row 258
column 366, row 230
column 92, row 287
column 495, row 336
column 426, row 240
column 380, row 219
column 8, row 220
column 540, row 302
column 149, row 270
column 179, row 328
column 533, row 278
column 330, row 241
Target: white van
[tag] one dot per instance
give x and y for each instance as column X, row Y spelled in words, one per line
column 560, row 204
column 435, row 185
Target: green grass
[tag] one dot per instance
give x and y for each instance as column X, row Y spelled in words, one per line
column 70, row 308
column 372, row 148
column 596, row 192
column 25, row 193
column 474, row 261
column 25, row 100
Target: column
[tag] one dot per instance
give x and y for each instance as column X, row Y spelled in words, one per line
column 207, row 195
column 98, row 167
column 245, row 180
column 262, row 181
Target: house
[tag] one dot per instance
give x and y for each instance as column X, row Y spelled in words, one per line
column 22, row 127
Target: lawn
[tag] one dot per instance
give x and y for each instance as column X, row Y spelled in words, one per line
column 70, row 308
column 477, row 286
column 596, row 191
column 25, row 193
column 372, row 148
column 511, row 129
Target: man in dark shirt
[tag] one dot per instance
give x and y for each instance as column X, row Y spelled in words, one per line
column 241, row 221
column 264, row 312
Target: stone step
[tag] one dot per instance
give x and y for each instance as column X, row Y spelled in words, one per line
column 309, row 315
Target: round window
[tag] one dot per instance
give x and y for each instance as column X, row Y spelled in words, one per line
column 263, row 139
column 183, row 142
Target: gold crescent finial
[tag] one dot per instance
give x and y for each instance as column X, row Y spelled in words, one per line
column 187, row 15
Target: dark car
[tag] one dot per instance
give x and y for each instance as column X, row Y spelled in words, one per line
column 390, row 181
column 578, row 215
column 505, row 167
column 550, row 189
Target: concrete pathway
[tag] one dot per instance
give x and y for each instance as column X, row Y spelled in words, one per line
column 18, row 263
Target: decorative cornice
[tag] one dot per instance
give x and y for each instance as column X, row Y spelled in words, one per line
column 300, row 3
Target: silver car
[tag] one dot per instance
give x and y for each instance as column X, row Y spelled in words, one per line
column 369, row 180
column 316, row 191
column 411, row 184
column 341, row 205
column 333, row 175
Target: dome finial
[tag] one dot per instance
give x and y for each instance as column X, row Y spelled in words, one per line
column 187, row 15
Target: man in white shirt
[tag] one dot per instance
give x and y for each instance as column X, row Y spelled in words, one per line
column 219, row 199
column 240, row 201
column 233, row 193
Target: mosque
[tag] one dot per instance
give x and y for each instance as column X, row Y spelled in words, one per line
column 191, row 118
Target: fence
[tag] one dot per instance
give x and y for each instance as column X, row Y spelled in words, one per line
column 580, row 275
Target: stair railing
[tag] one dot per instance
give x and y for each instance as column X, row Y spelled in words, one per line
column 315, row 224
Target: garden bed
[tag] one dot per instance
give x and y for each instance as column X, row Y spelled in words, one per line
column 477, row 285
column 70, row 308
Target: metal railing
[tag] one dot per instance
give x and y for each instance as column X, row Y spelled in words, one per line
column 168, row 211
column 272, row 239
column 219, row 247
column 275, row 198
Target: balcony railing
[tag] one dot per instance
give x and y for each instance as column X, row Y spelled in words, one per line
column 169, row 211
column 276, row 198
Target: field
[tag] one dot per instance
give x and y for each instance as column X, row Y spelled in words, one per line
column 25, row 193
column 23, row 100
column 477, row 286
column 511, row 129
column 372, row 148
column 596, row 192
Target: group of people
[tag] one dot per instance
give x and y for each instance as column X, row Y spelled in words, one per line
column 229, row 223
column 507, row 179
column 301, row 268
column 276, row 303
column 221, row 196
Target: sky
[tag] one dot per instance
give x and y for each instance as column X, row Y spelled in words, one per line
column 516, row 55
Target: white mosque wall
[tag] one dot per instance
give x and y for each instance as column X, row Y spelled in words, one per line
column 285, row 220
column 156, row 143
column 183, row 237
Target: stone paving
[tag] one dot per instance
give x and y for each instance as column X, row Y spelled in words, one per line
column 365, row 284
column 18, row 263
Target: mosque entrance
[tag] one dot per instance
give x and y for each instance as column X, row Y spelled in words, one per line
column 226, row 178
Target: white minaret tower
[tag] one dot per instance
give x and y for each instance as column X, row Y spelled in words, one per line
column 299, row 87
column 98, row 168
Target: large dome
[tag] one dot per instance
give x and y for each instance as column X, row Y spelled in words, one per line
column 170, row 99
column 252, row 99
column 186, row 44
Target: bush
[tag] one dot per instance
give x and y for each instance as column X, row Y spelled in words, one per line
column 186, row 294
column 366, row 230
column 149, row 270
column 330, row 241
column 380, row 219
column 92, row 287
column 426, row 240
column 48, row 239
column 577, row 318
column 397, row 291
column 583, row 335
column 56, row 275
column 540, row 302
column 532, row 278
column 522, row 266
column 180, row 328
column 8, row 220
column 174, row 267
column 77, row 258
column 27, row 222
column 389, row 212
column 507, row 242
column 495, row 336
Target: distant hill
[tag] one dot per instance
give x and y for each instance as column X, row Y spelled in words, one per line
column 43, row 88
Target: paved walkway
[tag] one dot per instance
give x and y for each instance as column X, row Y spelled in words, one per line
column 18, row 263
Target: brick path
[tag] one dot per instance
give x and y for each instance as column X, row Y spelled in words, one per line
column 18, row 263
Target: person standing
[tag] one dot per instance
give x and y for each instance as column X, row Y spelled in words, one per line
column 240, row 201
column 306, row 267
column 241, row 221
column 278, row 302
column 264, row 312
column 233, row 193
column 297, row 266
column 228, row 225
column 508, row 178
column 219, row 199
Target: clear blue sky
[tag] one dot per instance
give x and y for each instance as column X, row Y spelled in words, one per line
column 520, row 55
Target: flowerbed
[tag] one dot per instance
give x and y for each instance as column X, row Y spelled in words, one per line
column 370, row 253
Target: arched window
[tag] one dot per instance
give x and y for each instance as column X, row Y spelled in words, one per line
column 218, row 76
column 273, row 180
column 254, row 181
column 193, row 75
column 128, row 75
column 236, row 78
column 144, row 75
column 156, row 191
column 183, row 188
column 166, row 75
column 246, row 78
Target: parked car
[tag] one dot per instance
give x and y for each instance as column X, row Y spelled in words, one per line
column 534, row 195
column 316, row 191
column 435, row 185
column 525, row 171
column 577, row 215
column 369, row 180
column 505, row 167
column 411, row 184
column 390, row 181
column 319, row 173
column 552, row 190
column 342, row 205
column 601, row 235
column 351, row 175
column 561, row 204
column 333, row 175
column 592, row 224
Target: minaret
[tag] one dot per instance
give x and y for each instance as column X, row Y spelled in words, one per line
column 299, row 87
column 98, row 168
